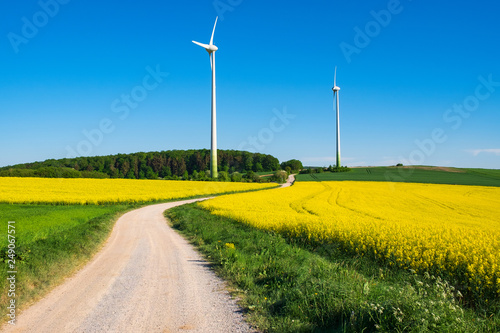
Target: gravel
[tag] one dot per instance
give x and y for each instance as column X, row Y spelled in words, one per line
column 147, row 278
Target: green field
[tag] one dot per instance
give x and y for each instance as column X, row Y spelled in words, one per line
column 290, row 285
column 482, row 177
column 50, row 243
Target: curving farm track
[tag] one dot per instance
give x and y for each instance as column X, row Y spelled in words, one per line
column 147, row 278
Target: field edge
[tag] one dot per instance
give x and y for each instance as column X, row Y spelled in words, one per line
column 287, row 287
column 48, row 265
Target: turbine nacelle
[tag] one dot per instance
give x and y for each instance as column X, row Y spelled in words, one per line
column 209, row 48
column 336, row 88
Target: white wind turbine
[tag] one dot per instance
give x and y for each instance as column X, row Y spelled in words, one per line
column 211, row 48
column 336, row 99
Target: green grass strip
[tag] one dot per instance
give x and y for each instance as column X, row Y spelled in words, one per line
column 51, row 243
column 290, row 287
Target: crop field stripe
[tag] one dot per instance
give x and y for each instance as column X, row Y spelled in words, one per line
column 479, row 177
column 453, row 231
column 289, row 285
column 110, row 191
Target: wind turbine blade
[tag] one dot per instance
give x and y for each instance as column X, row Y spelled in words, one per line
column 210, row 57
column 201, row 44
column 335, row 77
column 212, row 39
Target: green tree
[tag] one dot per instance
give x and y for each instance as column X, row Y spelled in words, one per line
column 279, row 176
column 165, row 164
column 150, row 174
column 224, row 176
column 236, row 177
column 165, row 172
column 251, row 176
column 295, row 165
column 249, row 162
column 270, row 163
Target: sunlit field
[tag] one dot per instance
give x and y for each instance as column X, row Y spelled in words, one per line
column 60, row 223
column 449, row 230
column 109, row 191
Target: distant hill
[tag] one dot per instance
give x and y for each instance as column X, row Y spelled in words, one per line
column 172, row 164
column 412, row 174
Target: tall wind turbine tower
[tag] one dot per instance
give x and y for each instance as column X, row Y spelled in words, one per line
column 211, row 48
column 336, row 101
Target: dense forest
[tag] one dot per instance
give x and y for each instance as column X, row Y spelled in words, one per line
column 173, row 164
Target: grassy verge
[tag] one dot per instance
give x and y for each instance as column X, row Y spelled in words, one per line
column 287, row 286
column 482, row 177
column 51, row 242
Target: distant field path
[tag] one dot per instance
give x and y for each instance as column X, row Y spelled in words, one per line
column 289, row 182
column 146, row 278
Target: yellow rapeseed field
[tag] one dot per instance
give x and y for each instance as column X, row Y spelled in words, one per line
column 99, row 191
column 451, row 230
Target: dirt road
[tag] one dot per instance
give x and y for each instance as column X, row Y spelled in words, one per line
column 289, row 182
column 147, row 278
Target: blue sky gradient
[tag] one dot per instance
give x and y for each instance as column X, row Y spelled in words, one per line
column 420, row 80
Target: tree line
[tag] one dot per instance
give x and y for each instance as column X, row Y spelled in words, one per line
column 172, row 164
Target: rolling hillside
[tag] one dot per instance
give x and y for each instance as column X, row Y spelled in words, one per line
column 417, row 174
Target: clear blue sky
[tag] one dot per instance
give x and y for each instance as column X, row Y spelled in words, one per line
column 420, row 80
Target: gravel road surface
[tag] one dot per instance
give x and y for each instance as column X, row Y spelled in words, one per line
column 146, row 278
column 289, row 182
